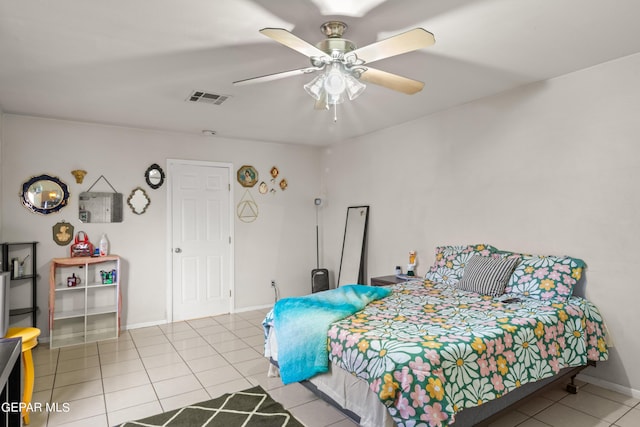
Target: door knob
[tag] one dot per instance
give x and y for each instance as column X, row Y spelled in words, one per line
column 178, row 250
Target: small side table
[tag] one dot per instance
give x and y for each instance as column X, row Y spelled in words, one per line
column 386, row 280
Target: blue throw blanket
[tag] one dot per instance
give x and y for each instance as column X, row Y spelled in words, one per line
column 302, row 323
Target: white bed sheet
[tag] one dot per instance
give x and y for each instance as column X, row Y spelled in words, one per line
column 343, row 388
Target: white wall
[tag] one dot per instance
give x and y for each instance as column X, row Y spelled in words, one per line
column 279, row 245
column 552, row 168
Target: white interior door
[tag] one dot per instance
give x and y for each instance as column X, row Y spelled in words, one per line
column 201, row 239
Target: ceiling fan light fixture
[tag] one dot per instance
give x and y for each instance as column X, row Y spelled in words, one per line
column 354, row 87
column 335, row 81
column 315, row 87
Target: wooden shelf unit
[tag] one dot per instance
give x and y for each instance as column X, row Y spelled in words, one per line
column 89, row 311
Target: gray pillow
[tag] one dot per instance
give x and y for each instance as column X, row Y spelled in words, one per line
column 486, row 275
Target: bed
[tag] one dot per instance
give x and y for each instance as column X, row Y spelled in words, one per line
column 435, row 348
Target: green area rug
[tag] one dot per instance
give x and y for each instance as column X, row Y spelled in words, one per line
column 252, row 407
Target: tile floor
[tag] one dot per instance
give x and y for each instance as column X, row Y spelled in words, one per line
column 156, row 369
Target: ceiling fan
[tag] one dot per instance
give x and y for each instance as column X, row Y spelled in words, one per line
column 344, row 66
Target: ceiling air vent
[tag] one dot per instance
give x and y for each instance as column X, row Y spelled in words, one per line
column 207, row 98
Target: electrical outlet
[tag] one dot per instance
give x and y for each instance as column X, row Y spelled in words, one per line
column 273, row 283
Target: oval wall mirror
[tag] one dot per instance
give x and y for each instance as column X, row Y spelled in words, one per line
column 154, row 176
column 44, row 194
column 138, row 201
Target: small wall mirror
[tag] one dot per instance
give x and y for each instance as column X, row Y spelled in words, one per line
column 154, row 176
column 138, row 201
column 44, row 194
column 354, row 246
column 96, row 206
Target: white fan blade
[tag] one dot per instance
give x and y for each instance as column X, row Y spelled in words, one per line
column 411, row 40
column 391, row 81
column 294, row 42
column 274, row 76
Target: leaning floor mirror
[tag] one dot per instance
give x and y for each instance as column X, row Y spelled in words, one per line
column 354, row 246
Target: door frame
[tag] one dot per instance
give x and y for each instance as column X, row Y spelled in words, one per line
column 169, row 231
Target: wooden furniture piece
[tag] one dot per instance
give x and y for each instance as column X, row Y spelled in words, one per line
column 29, row 338
column 21, row 277
column 84, row 300
column 386, row 280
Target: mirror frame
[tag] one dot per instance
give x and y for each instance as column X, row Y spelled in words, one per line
column 354, row 244
column 100, row 207
column 44, row 211
column 134, row 192
column 147, row 176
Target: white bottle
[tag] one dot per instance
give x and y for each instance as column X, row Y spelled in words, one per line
column 104, row 245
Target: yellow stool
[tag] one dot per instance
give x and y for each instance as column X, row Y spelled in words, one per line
column 29, row 340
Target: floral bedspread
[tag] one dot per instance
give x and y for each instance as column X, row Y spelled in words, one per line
column 430, row 350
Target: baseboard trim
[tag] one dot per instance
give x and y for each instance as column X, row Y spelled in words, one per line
column 627, row 391
column 144, row 325
column 255, row 307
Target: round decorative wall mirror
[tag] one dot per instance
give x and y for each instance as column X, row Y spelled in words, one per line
column 154, row 176
column 44, row 194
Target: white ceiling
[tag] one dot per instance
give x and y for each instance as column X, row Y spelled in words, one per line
column 135, row 62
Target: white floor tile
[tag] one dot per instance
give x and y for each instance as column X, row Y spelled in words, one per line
column 95, row 421
column 218, row 375
column 180, row 335
column 154, row 350
column 180, row 400
column 163, row 359
column 75, row 377
column 175, row 327
column 253, row 367
column 113, row 369
column 43, row 383
column 220, row 337
column 197, row 352
column 112, row 346
column 129, row 397
column 510, row 419
column 534, row 405
column 77, row 352
column 532, row 422
column 242, row 355
column 145, row 341
column 558, row 415
column 202, row 323
column 232, row 345
column 169, row 371
column 292, row 395
column 79, row 409
column 134, row 413
column 175, row 386
column 630, row 419
column 206, row 363
column 228, row 387
column 119, row 356
column 316, row 413
column 77, row 391
column 191, row 342
column 145, row 332
column 124, row 381
column 346, row 422
column 251, row 331
column 611, row 395
column 77, row 364
column 594, row 405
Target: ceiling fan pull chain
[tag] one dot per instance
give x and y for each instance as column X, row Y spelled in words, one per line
column 335, row 112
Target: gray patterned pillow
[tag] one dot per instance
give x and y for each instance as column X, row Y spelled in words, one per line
column 486, row 275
